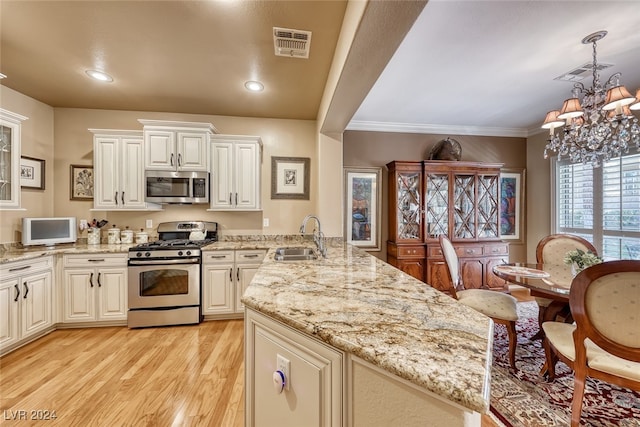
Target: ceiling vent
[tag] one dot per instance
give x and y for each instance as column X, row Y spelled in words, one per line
column 581, row 72
column 291, row 43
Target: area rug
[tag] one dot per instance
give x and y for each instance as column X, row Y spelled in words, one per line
column 525, row 399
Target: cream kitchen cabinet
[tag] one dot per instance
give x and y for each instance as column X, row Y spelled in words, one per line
column 313, row 391
column 226, row 277
column 236, row 172
column 10, row 125
column 95, row 288
column 25, row 301
column 175, row 146
column 118, row 159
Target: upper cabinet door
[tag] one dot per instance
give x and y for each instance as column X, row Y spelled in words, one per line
column 192, row 151
column 160, row 151
column 176, row 146
column 246, row 176
column 106, row 163
column 235, row 172
column 405, row 202
column 10, row 124
column 132, row 175
column 222, row 175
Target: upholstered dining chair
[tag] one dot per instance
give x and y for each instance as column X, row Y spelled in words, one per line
column 604, row 342
column 498, row 306
column 551, row 250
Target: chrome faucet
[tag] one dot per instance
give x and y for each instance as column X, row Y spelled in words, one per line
column 318, row 235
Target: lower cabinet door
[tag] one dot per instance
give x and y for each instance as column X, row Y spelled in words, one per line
column 413, row 267
column 217, row 293
column 10, row 294
column 79, row 295
column 494, row 282
column 112, row 294
column 36, row 303
column 472, row 273
column 312, row 394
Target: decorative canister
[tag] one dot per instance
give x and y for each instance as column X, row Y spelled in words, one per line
column 93, row 236
column 142, row 236
column 126, row 236
column 113, row 235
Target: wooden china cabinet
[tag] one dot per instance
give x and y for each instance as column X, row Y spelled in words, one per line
column 458, row 199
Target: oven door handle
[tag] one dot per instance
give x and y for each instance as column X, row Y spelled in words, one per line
column 164, row 261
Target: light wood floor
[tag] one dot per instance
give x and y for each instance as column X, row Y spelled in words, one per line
column 175, row 376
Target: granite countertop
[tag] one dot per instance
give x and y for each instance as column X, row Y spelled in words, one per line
column 20, row 254
column 365, row 307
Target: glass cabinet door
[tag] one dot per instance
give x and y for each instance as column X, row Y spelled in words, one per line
column 10, row 159
column 437, row 204
column 488, row 206
column 464, row 211
column 408, row 211
column 6, row 190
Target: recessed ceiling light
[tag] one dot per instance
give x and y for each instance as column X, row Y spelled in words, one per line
column 99, row 75
column 254, row 86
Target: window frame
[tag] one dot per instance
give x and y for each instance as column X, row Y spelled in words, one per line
column 598, row 233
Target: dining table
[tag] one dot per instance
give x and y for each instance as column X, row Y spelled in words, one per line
column 549, row 281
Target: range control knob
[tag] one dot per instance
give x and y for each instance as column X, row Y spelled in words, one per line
column 147, row 254
column 180, row 253
column 188, row 253
column 139, row 254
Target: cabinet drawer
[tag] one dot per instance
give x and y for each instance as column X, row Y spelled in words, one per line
column 411, row 251
column 95, row 260
column 435, row 251
column 502, row 249
column 468, row 251
column 255, row 256
column 27, row 266
column 212, row 257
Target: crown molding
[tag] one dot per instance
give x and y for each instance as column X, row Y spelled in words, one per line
column 438, row 129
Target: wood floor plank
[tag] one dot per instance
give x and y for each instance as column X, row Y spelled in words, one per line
column 115, row 376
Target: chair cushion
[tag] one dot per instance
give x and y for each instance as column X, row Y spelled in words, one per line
column 490, row 303
column 561, row 336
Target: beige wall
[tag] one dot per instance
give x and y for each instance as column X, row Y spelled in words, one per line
column 37, row 141
column 368, row 149
column 60, row 136
column 539, row 193
column 294, row 138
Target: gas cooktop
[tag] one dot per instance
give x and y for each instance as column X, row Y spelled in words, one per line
column 172, row 244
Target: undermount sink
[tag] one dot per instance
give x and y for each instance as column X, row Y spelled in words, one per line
column 295, row 254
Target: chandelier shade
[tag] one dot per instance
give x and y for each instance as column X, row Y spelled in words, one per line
column 617, row 96
column 570, row 109
column 596, row 124
column 636, row 103
column 552, row 121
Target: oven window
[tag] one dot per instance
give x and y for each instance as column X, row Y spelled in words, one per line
column 164, row 282
column 167, row 187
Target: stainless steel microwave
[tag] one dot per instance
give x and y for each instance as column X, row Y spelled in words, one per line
column 176, row 187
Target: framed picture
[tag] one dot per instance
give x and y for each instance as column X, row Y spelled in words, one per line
column 363, row 203
column 290, row 177
column 512, row 204
column 31, row 173
column 81, row 182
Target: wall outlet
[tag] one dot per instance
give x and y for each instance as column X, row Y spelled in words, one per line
column 265, row 222
column 149, row 223
column 283, row 365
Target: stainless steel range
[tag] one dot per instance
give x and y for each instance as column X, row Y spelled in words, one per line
column 165, row 276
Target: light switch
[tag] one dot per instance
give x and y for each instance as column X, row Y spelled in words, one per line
column 149, row 223
column 265, row 222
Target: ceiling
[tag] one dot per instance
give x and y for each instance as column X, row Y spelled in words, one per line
column 465, row 67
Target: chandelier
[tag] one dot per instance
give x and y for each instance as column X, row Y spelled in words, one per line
column 598, row 127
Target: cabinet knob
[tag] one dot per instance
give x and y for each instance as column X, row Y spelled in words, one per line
column 279, row 381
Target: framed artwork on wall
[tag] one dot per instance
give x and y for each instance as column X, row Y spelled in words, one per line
column 290, row 177
column 512, row 210
column 363, row 202
column 81, row 182
column 32, row 173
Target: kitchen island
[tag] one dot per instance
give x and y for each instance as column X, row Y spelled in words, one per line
column 362, row 344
